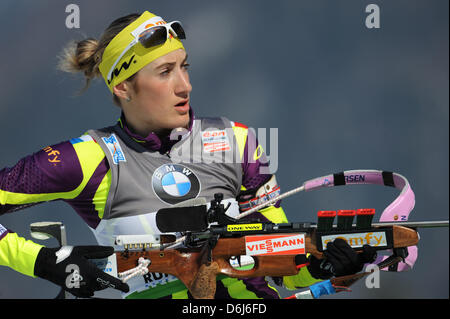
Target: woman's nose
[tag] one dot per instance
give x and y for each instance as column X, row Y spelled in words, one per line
column 183, row 85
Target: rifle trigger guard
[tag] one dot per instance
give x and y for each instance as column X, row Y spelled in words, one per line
column 400, row 254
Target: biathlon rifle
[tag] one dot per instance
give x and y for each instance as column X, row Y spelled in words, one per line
column 211, row 240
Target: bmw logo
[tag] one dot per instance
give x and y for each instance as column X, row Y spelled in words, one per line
column 174, row 183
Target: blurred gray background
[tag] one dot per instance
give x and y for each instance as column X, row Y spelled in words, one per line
column 342, row 97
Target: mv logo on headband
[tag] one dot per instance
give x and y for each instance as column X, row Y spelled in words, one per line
column 125, row 65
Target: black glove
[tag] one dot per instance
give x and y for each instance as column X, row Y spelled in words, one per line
column 70, row 268
column 340, row 260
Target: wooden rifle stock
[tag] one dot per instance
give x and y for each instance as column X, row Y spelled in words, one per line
column 197, row 268
column 199, row 275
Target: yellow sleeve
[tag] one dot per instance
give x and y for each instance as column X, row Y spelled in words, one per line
column 70, row 163
column 18, row 253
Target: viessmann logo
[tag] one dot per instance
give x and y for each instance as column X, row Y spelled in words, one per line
column 275, row 244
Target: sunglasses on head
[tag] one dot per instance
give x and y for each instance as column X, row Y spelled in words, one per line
column 159, row 34
column 151, row 37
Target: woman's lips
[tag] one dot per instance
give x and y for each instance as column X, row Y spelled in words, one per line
column 183, row 106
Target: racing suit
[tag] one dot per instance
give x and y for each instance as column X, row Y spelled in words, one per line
column 83, row 172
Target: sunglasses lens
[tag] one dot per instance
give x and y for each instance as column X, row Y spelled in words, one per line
column 179, row 30
column 152, row 37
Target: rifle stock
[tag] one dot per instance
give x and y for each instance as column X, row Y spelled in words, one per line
column 183, row 264
column 404, row 236
column 198, row 273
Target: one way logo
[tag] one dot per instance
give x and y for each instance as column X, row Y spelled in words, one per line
column 275, row 244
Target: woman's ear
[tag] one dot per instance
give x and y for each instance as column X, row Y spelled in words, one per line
column 123, row 90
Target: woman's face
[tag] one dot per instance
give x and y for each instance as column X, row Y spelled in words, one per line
column 160, row 95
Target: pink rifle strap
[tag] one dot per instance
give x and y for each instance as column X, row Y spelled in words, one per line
column 397, row 211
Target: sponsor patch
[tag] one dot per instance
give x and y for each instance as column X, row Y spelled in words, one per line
column 356, row 240
column 53, row 155
column 246, row 205
column 275, row 244
column 114, row 148
column 175, row 183
column 215, row 141
column 244, row 227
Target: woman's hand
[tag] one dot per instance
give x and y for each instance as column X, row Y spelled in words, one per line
column 70, row 268
column 340, row 260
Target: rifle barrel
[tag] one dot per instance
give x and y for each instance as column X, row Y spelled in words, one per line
column 426, row 224
column 302, row 227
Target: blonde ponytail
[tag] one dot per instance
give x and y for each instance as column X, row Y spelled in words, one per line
column 85, row 56
column 82, row 56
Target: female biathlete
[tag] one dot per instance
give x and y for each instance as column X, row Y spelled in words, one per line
column 158, row 154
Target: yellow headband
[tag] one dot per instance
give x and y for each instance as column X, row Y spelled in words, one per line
column 137, row 56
